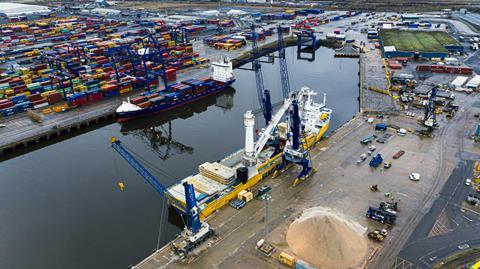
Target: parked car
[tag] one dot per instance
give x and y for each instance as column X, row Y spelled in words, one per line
column 401, row 132
column 414, row 176
column 382, row 140
column 468, row 182
column 398, row 154
column 264, row 189
column 387, row 164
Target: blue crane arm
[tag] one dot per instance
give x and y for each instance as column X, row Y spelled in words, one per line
column 283, row 64
column 265, row 102
column 117, row 146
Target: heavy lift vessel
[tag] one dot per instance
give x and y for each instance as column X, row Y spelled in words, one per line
column 244, row 168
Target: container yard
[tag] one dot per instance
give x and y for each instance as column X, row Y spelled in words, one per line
column 193, row 136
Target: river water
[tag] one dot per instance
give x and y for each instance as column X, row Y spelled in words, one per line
column 60, row 206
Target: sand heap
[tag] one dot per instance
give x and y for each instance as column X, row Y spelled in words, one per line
column 327, row 239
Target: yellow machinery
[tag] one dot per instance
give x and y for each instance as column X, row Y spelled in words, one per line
column 287, row 259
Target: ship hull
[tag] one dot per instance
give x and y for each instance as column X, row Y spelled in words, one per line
column 155, row 109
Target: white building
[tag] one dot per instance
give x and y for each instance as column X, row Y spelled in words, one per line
column 474, row 83
column 14, row 10
column 459, row 81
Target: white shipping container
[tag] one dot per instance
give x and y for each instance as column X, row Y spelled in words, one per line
column 40, row 105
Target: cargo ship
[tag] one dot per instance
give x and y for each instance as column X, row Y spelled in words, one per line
column 220, row 182
column 178, row 94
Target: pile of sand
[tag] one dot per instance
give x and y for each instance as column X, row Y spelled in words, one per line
column 327, row 239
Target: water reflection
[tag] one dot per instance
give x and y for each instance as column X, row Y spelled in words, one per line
column 157, row 131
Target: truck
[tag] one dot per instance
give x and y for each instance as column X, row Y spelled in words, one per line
column 367, row 140
column 378, row 235
column 287, row 259
column 381, row 215
column 376, row 161
column 381, row 127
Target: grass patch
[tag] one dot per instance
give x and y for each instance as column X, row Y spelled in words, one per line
column 417, row 41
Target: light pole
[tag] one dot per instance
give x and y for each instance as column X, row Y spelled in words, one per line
column 266, row 197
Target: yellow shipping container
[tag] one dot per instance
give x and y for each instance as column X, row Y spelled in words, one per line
column 9, row 92
column 27, row 93
column 126, row 90
column 99, row 70
column 47, row 111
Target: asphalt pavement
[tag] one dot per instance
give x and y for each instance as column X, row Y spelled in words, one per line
column 446, row 228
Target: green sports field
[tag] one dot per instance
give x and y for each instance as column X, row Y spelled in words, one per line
column 417, row 41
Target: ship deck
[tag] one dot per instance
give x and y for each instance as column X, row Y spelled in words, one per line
column 207, row 189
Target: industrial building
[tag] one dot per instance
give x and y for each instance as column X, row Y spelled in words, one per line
column 11, row 10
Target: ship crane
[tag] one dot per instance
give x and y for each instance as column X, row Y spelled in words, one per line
column 262, row 93
column 294, row 151
column 195, row 231
column 283, row 63
column 252, row 149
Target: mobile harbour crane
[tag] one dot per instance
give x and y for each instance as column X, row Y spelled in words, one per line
column 196, row 231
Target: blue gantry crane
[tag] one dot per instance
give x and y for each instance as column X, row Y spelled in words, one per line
column 58, row 74
column 195, row 230
column 150, row 52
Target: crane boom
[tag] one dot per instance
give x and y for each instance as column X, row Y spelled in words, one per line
column 267, row 132
column 283, row 63
column 257, row 67
column 117, row 146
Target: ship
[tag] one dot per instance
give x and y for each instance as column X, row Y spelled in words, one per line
column 218, row 183
column 178, row 94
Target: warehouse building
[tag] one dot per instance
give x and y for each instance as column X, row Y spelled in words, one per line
column 11, row 10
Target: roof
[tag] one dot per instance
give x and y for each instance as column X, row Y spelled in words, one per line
column 389, row 48
column 474, row 82
column 459, row 81
column 14, row 9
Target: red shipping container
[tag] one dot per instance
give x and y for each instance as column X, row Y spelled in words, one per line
column 395, row 66
column 402, row 59
column 95, row 97
column 39, row 101
column 6, row 104
column 451, row 69
column 423, row 67
column 466, row 70
column 79, row 101
column 138, row 99
column 54, row 98
column 438, row 68
column 34, row 97
column 144, row 104
column 153, row 95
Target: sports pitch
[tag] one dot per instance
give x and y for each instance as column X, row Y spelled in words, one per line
column 417, row 41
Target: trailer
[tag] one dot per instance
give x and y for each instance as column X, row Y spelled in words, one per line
column 380, row 215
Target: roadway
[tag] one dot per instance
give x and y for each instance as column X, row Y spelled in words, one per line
column 447, row 227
